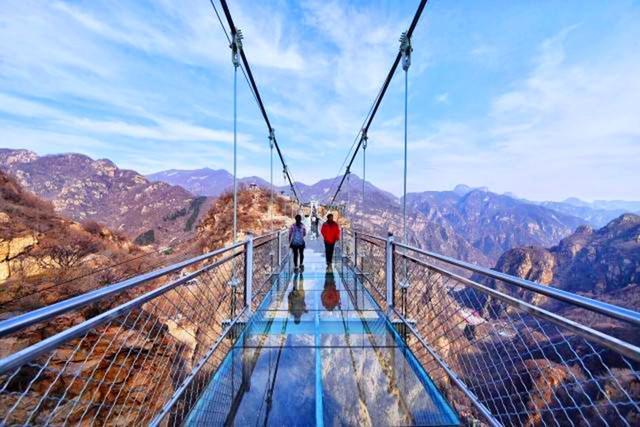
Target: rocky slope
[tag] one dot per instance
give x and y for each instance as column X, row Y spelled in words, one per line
column 603, row 263
column 41, row 253
column 141, row 361
column 493, row 223
column 85, row 189
column 254, row 216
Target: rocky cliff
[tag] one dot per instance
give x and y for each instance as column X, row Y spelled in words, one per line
column 603, row 263
column 40, row 252
column 85, row 189
column 255, row 216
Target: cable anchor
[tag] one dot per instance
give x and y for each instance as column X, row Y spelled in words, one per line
column 236, row 48
column 405, row 50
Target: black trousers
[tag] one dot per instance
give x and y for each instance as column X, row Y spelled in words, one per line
column 328, row 251
column 298, row 253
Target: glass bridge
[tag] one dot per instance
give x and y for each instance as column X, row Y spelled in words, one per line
column 318, row 350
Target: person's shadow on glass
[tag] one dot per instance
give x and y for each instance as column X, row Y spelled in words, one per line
column 330, row 296
column 297, row 303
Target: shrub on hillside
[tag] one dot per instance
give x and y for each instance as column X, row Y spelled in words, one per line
column 146, row 238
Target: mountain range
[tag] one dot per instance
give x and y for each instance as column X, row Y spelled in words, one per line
column 473, row 224
column 84, row 189
column 203, row 182
column 493, row 223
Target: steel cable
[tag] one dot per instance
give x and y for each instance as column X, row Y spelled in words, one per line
column 381, row 95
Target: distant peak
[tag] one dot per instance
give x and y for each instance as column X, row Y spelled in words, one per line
column 627, row 218
column 462, row 189
column 574, row 201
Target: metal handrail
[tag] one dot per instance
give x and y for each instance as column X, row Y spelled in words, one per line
column 267, row 238
column 610, row 310
column 369, row 236
column 28, row 354
column 629, row 350
column 22, row 321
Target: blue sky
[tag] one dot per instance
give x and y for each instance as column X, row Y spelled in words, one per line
column 538, row 98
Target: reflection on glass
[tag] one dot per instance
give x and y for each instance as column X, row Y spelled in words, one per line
column 340, row 362
column 330, row 295
column 297, row 303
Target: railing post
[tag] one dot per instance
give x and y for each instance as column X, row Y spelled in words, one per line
column 355, row 249
column 248, row 271
column 389, row 269
column 279, row 250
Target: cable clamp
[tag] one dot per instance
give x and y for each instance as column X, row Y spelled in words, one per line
column 236, row 48
column 272, row 138
column 365, row 139
column 405, row 50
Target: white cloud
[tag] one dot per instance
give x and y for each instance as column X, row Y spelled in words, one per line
column 442, row 98
column 364, row 52
column 569, row 128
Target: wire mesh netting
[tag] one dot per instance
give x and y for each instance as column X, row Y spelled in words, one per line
column 265, row 265
column 141, row 356
column 371, row 261
column 526, row 369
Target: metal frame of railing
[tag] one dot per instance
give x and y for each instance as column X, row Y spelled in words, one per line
column 137, row 351
column 495, row 364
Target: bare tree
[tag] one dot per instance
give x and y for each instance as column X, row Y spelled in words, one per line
column 66, row 254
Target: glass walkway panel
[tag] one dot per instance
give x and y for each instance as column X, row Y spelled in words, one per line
column 319, row 351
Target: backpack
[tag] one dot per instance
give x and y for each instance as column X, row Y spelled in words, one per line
column 297, row 239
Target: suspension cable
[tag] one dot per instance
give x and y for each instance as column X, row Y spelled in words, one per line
column 254, row 86
column 380, row 96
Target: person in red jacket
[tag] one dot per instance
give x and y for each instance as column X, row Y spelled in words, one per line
column 331, row 234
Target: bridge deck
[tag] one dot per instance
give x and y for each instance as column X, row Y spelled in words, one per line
column 319, row 352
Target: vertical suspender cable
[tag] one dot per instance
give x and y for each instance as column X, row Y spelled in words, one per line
column 235, row 153
column 242, row 58
column 236, row 47
column 365, row 138
column 405, row 49
column 271, row 207
column 348, row 196
column 404, row 184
